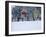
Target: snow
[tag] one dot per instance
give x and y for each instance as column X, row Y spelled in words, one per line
column 25, row 25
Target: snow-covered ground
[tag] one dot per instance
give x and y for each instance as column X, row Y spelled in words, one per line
column 26, row 26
